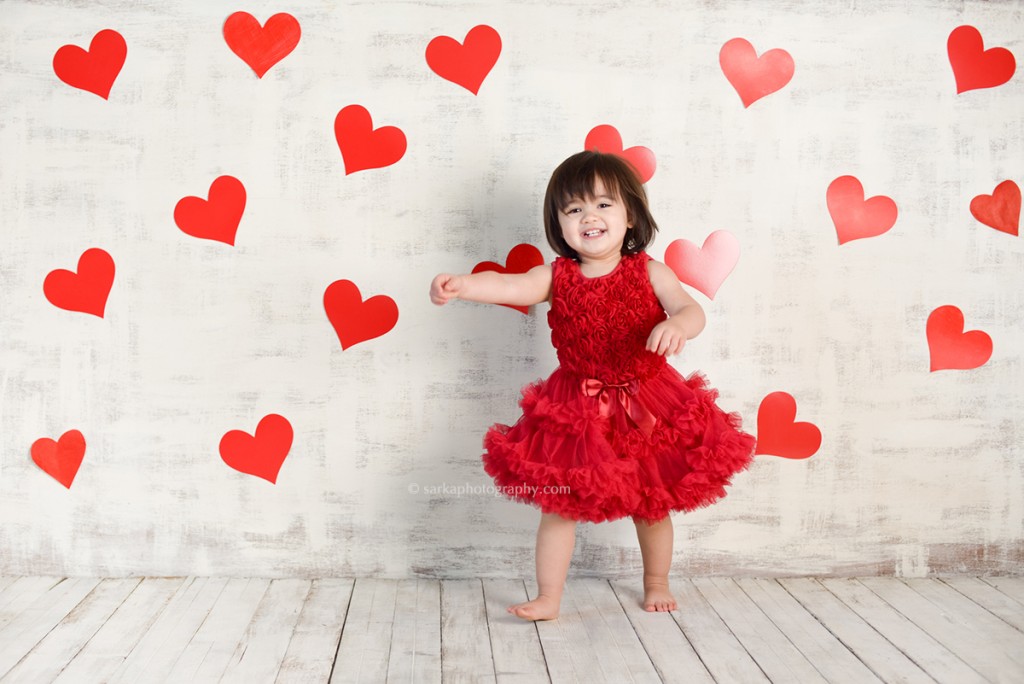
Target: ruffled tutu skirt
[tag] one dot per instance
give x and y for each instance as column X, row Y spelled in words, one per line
column 588, row 460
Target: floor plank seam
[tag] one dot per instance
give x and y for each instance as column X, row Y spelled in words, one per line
column 536, row 629
column 783, row 632
column 647, row 652
column 341, row 632
column 1016, row 599
column 821, row 622
column 733, row 633
column 930, row 635
column 906, row 655
column 983, row 606
column 487, row 621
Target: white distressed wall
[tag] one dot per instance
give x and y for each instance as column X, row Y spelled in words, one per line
column 918, row 472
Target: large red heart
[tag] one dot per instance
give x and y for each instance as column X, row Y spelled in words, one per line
column 707, row 267
column 754, row 77
column 777, row 432
column 216, row 218
column 855, row 217
column 61, row 459
column 261, row 47
column 1001, row 209
column 467, row 63
column 96, row 70
column 520, row 259
column 606, row 139
column 86, row 290
column 975, row 67
column 354, row 320
column 950, row 347
column 261, row 454
column 363, row 147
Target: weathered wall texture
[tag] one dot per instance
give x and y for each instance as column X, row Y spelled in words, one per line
column 918, row 472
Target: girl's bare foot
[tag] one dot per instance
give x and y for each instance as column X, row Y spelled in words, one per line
column 657, row 597
column 541, row 608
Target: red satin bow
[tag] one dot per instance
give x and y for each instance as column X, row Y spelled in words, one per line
column 637, row 412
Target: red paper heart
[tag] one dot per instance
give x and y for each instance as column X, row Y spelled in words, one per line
column 363, row 147
column 950, row 347
column 975, row 67
column 467, row 63
column 61, row 459
column 707, row 267
column 606, row 139
column 354, row 320
column 1001, row 209
column 216, row 218
column 263, row 454
column 855, row 217
column 96, row 70
column 777, row 432
column 754, row 77
column 520, row 259
column 261, row 47
column 86, row 290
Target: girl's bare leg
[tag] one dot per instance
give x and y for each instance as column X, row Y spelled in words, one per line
column 656, row 550
column 556, row 537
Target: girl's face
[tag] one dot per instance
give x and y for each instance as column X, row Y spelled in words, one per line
column 595, row 226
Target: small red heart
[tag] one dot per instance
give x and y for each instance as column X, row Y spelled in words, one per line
column 263, row 454
column 86, row 290
column 950, row 347
column 466, row 64
column 855, row 217
column 1001, row 209
column 96, row 70
column 216, row 218
column 354, row 320
column 777, row 432
column 261, row 47
column 61, row 459
column 363, row 147
column 754, row 77
column 520, row 259
column 606, row 139
column 707, row 267
column 975, row 67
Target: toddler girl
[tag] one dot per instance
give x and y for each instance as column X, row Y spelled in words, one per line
column 614, row 431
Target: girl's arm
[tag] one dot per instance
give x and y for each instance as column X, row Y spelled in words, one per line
column 490, row 287
column 685, row 316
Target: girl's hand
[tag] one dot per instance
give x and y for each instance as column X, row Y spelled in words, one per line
column 667, row 339
column 445, row 287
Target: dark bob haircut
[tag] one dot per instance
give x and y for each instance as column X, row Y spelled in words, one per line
column 574, row 178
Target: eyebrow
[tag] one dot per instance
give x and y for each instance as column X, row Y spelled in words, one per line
column 597, row 197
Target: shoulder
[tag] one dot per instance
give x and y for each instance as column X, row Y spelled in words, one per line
column 658, row 270
column 561, row 264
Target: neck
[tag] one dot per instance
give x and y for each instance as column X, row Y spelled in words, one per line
column 596, row 267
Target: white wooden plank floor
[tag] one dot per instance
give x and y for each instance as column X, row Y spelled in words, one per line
column 957, row 630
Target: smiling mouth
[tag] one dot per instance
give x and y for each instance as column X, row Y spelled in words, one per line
column 593, row 233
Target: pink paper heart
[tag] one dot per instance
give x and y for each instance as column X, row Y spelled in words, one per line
column 975, row 67
column 707, row 267
column 952, row 348
column 854, row 216
column 606, row 139
column 779, row 433
column 754, row 77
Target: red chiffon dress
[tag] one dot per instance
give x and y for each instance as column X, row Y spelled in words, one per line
column 615, row 431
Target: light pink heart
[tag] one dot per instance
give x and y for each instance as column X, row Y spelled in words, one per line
column 707, row 267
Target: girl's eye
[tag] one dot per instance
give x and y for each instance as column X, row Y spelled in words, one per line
column 572, row 210
column 605, row 205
